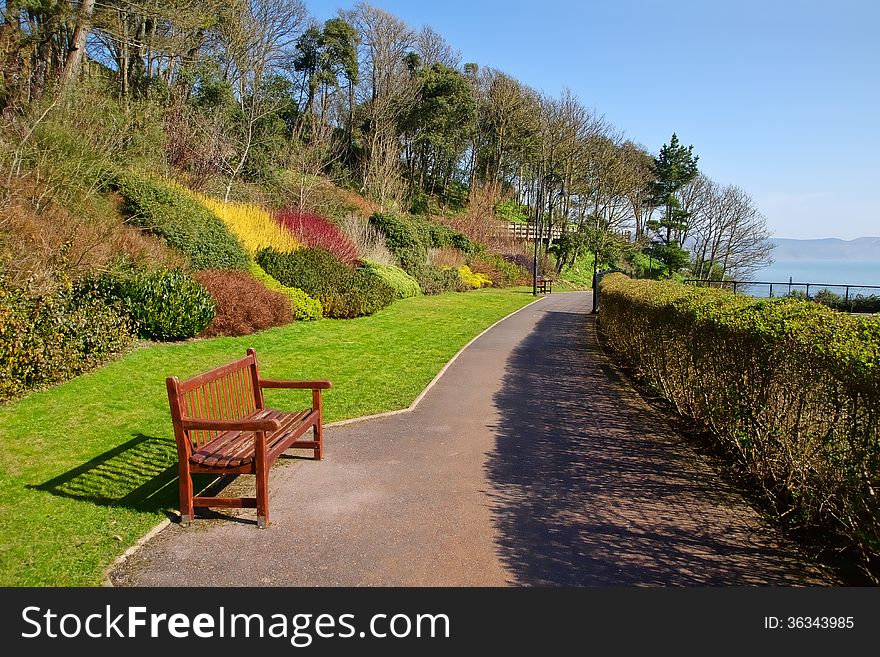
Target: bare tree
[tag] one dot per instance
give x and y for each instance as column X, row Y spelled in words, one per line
column 432, row 49
column 387, row 91
column 728, row 234
column 257, row 44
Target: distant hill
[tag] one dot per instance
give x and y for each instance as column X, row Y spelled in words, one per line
column 862, row 248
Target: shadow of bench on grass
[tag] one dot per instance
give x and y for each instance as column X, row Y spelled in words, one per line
column 139, row 474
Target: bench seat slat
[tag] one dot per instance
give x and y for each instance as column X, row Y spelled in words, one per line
column 236, row 448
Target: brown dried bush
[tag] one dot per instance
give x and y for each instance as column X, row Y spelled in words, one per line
column 447, row 256
column 244, row 304
column 35, row 230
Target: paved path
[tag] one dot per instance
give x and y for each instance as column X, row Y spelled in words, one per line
column 529, row 463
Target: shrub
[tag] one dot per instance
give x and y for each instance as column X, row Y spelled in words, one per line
column 244, row 304
column 789, row 388
column 404, row 285
column 317, row 232
column 403, row 239
column 473, row 280
column 164, row 305
column 370, row 243
column 255, row 227
column 40, row 239
column 869, row 303
column 343, row 292
column 513, row 212
column 409, row 238
column 500, row 270
column 52, row 338
column 436, row 280
column 304, row 307
column 447, row 256
column 185, row 224
column 438, row 236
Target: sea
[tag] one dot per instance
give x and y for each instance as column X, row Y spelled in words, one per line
column 820, row 274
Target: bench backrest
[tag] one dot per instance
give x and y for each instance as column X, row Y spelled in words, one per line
column 228, row 392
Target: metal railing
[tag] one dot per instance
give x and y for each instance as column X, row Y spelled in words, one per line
column 787, row 288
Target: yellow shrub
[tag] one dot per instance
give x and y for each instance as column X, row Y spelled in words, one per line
column 473, row 279
column 251, row 224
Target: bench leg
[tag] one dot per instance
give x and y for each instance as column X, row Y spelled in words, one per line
column 262, row 475
column 316, row 429
column 186, row 495
column 316, row 434
column 262, row 500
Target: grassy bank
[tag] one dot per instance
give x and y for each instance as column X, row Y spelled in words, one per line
column 88, row 467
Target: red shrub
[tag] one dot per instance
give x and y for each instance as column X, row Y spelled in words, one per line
column 315, row 231
column 244, row 305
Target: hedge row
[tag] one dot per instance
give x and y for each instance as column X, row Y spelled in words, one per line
column 49, row 339
column 304, row 307
column 343, row 292
column 404, row 285
column 790, row 388
column 183, row 222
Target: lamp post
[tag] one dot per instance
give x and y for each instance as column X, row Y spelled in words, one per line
column 547, row 182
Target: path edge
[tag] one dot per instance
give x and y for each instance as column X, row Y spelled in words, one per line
column 435, row 380
column 122, row 558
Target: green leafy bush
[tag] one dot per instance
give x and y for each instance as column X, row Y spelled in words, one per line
column 404, row 285
column 500, row 270
column 49, row 339
column 186, row 224
column 244, row 304
column 409, row 238
column 857, row 303
column 403, row 239
column 511, row 211
column 789, row 388
column 305, row 308
column 343, row 292
column 436, row 280
column 164, row 305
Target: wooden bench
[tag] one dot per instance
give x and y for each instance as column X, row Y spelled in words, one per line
column 222, row 427
column 544, row 285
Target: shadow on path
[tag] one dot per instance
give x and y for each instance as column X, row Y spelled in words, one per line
column 589, row 487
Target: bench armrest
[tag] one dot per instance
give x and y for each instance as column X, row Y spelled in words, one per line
column 195, row 424
column 302, row 385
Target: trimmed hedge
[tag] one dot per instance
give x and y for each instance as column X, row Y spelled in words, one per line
column 50, row 339
column 404, row 285
column 244, row 304
column 304, row 307
column 164, row 305
column 186, row 224
column 343, row 292
column 790, row 388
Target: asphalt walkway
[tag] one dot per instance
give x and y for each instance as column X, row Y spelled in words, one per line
column 530, row 462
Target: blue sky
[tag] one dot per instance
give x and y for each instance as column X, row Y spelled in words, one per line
column 779, row 98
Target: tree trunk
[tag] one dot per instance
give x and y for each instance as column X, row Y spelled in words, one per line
column 74, row 59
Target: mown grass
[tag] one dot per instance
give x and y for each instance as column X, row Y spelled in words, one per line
column 88, row 467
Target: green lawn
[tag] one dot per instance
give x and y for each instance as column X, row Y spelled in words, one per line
column 88, row 467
